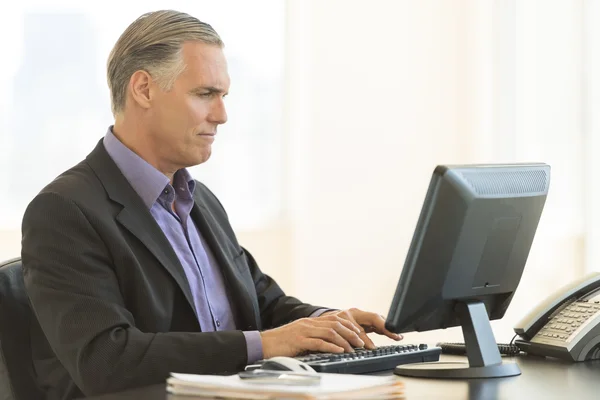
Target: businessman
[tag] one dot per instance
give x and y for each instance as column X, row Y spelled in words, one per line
column 131, row 265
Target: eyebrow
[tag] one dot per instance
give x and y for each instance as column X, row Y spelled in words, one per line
column 209, row 89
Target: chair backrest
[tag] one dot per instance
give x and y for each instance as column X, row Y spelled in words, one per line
column 16, row 320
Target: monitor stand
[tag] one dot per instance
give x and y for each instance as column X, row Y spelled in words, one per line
column 482, row 351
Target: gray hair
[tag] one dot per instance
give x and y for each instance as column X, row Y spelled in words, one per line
column 153, row 43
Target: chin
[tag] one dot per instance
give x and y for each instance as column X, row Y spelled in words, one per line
column 200, row 159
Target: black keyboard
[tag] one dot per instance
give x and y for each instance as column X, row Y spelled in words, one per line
column 460, row 348
column 364, row 361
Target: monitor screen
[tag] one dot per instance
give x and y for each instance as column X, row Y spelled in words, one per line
column 470, row 245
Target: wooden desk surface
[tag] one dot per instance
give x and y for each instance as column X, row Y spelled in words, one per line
column 540, row 379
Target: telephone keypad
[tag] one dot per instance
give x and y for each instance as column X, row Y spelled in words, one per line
column 569, row 319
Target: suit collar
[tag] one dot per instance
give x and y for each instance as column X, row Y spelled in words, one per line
column 136, row 217
column 147, row 181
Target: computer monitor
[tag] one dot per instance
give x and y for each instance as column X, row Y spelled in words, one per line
column 466, row 259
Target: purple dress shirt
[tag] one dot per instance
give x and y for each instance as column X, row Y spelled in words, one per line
column 211, row 303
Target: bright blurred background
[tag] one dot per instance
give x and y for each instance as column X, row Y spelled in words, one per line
column 338, row 113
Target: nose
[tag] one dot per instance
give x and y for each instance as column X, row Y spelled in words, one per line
column 218, row 114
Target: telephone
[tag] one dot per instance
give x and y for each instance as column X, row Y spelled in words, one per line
column 566, row 325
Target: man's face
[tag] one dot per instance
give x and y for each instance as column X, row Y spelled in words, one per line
column 183, row 121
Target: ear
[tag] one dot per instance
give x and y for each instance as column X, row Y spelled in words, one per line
column 140, row 88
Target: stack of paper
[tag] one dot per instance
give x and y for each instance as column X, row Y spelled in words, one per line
column 331, row 387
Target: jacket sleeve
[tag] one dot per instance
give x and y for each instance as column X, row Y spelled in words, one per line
column 76, row 298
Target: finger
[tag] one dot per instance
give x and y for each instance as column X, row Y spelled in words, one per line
column 368, row 342
column 347, row 333
column 313, row 344
column 377, row 323
column 362, row 335
column 346, row 322
column 379, row 327
column 330, row 335
column 387, row 332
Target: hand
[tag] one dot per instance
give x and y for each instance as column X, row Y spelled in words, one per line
column 326, row 335
column 366, row 322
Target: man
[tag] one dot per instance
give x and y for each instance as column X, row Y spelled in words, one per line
column 131, row 266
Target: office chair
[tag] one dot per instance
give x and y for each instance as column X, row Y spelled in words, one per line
column 17, row 375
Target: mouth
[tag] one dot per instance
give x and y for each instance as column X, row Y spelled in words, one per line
column 207, row 137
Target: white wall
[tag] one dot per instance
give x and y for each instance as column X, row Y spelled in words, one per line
column 381, row 111
column 381, row 92
column 591, row 122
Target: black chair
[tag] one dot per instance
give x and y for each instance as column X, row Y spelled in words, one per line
column 16, row 322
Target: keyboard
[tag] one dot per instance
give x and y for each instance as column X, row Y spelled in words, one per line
column 460, row 349
column 364, row 361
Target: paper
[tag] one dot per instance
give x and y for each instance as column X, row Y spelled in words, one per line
column 332, row 387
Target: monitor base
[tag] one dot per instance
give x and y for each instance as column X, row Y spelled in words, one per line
column 456, row 370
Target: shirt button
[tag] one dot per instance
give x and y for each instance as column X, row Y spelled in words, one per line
column 218, row 323
column 166, row 191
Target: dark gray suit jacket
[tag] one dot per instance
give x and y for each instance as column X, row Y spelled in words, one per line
column 111, row 297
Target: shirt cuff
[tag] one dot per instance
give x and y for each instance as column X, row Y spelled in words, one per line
column 253, row 346
column 319, row 312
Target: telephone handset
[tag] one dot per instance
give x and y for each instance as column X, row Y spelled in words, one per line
column 567, row 324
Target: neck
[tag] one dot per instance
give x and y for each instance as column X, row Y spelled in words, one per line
column 136, row 139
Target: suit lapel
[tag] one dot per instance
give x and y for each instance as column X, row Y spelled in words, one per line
column 145, row 228
column 237, row 283
column 136, row 218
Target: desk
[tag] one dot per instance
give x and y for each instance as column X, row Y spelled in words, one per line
column 540, row 379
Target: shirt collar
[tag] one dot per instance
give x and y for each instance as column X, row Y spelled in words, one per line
column 183, row 180
column 147, row 181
